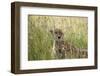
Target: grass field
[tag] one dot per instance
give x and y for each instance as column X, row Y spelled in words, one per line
column 40, row 40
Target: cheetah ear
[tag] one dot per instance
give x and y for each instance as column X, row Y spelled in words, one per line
column 51, row 31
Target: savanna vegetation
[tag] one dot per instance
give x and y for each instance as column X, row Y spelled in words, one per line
column 40, row 40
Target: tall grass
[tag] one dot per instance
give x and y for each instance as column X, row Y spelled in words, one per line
column 40, row 40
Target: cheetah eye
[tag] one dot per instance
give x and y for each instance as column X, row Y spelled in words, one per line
column 55, row 32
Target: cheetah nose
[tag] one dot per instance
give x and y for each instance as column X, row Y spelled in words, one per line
column 59, row 37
